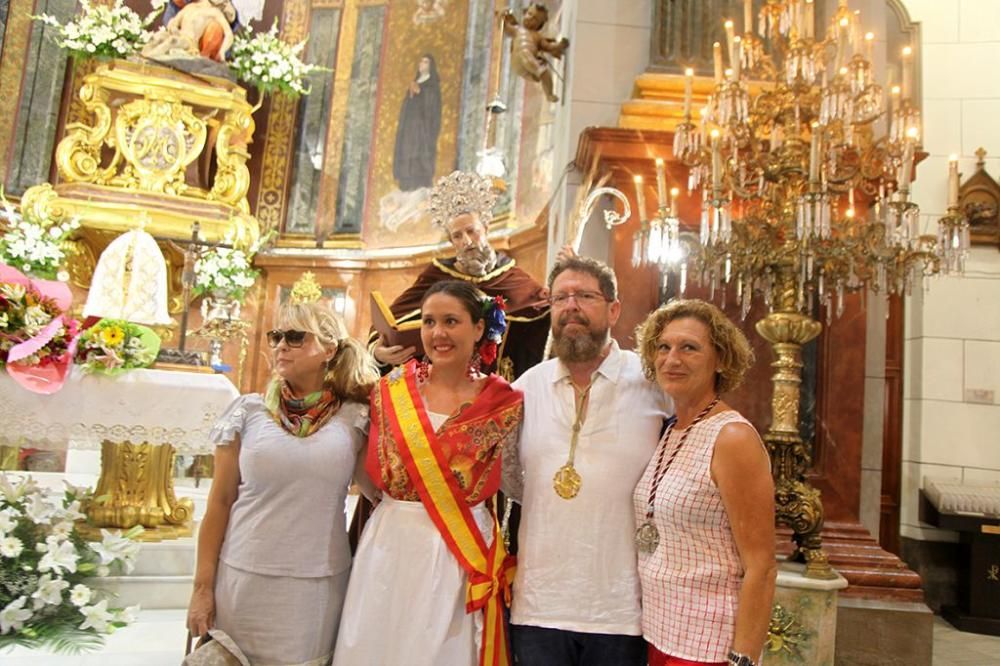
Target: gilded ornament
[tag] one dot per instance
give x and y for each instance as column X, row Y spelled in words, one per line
column 785, row 633
column 458, row 193
column 567, row 481
column 306, row 289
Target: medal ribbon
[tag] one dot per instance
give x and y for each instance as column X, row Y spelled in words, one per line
column 659, row 473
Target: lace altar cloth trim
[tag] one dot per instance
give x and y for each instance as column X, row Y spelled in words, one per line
column 154, row 406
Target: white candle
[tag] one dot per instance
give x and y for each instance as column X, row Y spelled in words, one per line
column 688, row 81
column 907, row 57
column 748, row 16
column 814, row 153
column 738, row 53
column 730, row 34
column 810, row 19
column 640, row 199
column 953, row 181
column 717, row 61
column 906, row 168
column 869, row 44
column 674, row 191
column 661, row 183
column 842, row 32
column 716, row 161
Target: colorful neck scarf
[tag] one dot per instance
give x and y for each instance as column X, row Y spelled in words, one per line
column 300, row 416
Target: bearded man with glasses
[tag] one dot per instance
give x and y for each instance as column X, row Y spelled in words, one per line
column 591, row 423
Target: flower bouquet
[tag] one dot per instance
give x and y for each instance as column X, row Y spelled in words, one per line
column 46, row 568
column 112, row 346
column 101, row 31
column 30, row 244
column 270, row 64
column 37, row 339
column 225, row 272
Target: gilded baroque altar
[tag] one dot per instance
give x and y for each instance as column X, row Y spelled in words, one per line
column 151, row 144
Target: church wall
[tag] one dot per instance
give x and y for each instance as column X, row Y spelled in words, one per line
column 952, row 333
column 609, row 48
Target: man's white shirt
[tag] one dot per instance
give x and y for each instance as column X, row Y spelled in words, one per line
column 577, row 560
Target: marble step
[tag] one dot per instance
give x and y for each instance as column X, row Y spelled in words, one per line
column 150, row 592
column 156, row 639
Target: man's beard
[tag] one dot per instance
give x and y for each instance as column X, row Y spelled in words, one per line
column 476, row 260
column 578, row 347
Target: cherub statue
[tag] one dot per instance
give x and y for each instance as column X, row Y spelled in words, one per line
column 529, row 45
column 200, row 28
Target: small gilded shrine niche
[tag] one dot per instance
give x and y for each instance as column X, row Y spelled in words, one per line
column 979, row 200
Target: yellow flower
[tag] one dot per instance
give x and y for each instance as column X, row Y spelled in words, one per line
column 112, row 335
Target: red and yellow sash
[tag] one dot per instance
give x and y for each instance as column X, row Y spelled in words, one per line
column 490, row 569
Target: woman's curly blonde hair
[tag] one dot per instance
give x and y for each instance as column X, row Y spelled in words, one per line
column 731, row 346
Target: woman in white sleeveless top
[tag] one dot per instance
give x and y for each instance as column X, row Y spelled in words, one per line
column 705, row 505
column 273, row 557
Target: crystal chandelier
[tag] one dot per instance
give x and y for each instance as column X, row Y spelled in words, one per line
column 802, row 164
column 802, row 168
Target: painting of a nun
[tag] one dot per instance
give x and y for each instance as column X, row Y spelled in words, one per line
column 419, row 126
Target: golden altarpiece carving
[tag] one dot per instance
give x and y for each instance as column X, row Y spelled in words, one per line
column 139, row 144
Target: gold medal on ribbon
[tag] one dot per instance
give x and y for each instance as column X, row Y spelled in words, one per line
column 567, row 481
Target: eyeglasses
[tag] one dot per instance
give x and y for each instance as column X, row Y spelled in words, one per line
column 583, row 298
column 292, row 338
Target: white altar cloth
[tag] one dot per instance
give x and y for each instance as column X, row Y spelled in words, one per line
column 154, row 406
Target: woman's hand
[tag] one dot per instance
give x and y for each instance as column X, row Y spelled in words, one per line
column 201, row 611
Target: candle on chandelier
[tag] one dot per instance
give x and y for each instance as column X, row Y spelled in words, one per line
column 716, row 161
column 810, row 19
column 907, row 57
column 717, row 61
column 661, row 183
column 906, row 167
column 748, row 16
column 738, row 62
column 688, row 82
column 640, row 198
column 843, row 32
column 952, row 181
column 730, row 35
column 869, row 45
column 674, row 191
column 814, row 153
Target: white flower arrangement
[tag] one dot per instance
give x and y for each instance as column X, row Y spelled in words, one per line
column 270, row 64
column 225, row 272
column 103, row 31
column 46, row 600
column 32, row 245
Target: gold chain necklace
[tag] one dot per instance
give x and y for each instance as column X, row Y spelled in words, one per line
column 567, row 481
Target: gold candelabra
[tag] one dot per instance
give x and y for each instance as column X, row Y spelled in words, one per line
column 804, row 179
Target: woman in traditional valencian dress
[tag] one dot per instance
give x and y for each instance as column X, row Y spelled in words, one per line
column 273, row 557
column 705, row 505
column 431, row 571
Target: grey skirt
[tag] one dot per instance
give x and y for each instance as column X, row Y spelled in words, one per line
column 280, row 620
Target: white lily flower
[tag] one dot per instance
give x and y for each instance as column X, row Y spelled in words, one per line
column 14, row 615
column 114, row 547
column 97, row 617
column 62, row 557
column 39, row 510
column 8, row 520
column 80, row 595
column 49, row 592
column 129, row 614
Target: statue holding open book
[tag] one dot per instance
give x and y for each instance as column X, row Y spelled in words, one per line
column 461, row 204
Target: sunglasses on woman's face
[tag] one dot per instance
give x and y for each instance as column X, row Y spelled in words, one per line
column 292, row 338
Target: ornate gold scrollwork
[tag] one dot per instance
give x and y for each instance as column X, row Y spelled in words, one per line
column 136, row 487
column 78, row 155
column 232, row 178
column 158, row 138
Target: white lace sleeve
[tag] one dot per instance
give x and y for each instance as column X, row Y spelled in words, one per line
column 512, row 473
column 230, row 423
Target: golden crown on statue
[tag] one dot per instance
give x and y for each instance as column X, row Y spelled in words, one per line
column 306, row 289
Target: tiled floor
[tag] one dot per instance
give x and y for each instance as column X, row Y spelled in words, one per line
column 955, row 648
column 158, row 640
